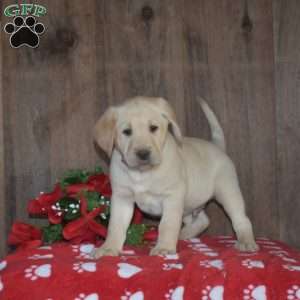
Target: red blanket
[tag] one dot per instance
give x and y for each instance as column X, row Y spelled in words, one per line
column 208, row 268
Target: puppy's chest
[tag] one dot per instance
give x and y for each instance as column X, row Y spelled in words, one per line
column 147, row 197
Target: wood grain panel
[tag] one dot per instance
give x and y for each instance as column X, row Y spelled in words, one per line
column 287, row 46
column 50, row 104
column 143, row 51
column 227, row 63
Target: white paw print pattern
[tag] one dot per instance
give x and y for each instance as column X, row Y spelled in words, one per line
column 83, row 296
column 1, row 285
column 170, row 266
column 203, row 248
column 255, row 292
column 273, row 247
column 3, row 265
column 35, row 272
column 250, row 264
column 127, row 254
column 214, row 263
column 81, row 267
column 175, row 294
column 170, row 256
column 284, row 257
column 41, row 256
column 265, row 242
column 133, row 296
column 279, row 252
column 288, row 259
column 292, row 268
column 126, row 270
column 213, row 293
column 293, row 293
column 45, row 248
column 84, row 250
column 194, row 240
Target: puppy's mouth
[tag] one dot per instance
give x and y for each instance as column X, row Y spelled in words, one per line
column 141, row 165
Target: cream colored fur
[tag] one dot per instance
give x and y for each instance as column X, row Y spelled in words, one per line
column 181, row 175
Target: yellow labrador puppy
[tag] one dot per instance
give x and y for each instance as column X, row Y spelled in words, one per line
column 167, row 175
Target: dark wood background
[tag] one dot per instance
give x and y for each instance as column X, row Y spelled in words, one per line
column 242, row 56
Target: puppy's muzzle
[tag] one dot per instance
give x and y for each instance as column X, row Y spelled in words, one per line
column 143, row 155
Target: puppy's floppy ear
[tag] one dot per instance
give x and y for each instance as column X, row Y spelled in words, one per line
column 168, row 112
column 105, row 130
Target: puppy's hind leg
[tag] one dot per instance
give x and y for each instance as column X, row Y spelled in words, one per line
column 194, row 225
column 229, row 195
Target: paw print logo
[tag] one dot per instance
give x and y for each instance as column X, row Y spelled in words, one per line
column 213, row 293
column 24, row 32
column 250, row 264
column 293, row 293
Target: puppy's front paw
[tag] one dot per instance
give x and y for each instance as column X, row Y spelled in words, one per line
column 162, row 251
column 104, row 251
column 246, row 246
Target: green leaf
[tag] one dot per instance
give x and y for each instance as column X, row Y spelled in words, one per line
column 52, row 233
column 78, row 176
column 93, row 199
column 135, row 234
column 74, row 176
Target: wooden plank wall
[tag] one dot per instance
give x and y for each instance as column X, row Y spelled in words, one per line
column 242, row 56
column 287, row 63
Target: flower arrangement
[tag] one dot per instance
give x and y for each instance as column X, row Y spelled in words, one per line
column 77, row 210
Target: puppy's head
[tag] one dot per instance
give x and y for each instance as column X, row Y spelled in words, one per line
column 138, row 130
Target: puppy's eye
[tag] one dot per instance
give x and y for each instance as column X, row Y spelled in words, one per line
column 127, row 131
column 153, row 128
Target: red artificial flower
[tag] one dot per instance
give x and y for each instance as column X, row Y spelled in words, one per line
column 81, row 227
column 25, row 235
column 137, row 216
column 42, row 205
column 151, row 234
column 72, row 190
column 101, row 184
column 96, row 183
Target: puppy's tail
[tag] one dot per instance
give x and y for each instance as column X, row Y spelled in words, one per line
column 217, row 133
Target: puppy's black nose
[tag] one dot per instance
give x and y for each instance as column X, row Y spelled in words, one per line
column 143, row 154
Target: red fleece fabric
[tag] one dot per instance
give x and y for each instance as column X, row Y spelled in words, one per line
column 205, row 268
